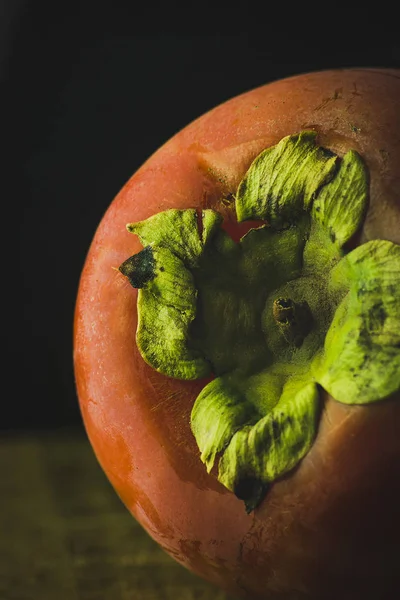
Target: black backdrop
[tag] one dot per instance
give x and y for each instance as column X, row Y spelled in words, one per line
column 91, row 93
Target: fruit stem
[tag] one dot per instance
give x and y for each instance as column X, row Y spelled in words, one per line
column 294, row 319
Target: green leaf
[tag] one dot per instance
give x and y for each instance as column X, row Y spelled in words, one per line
column 283, row 180
column 210, row 223
column 361, row 358
column 166, row 308
column 178, row 230
column 174, row 241
column 219, row 411
column 275, row 444
column 341, row 204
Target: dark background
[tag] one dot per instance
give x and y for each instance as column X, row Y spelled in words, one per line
column 90, row 93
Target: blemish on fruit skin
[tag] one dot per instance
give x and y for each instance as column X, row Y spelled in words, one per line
column 338, row 142
column 337, row 95
column 221, row 178
column 355, row 128
column 355, row 91
column 384, row 156
column 191, row 551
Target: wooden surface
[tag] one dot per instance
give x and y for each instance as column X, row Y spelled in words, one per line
column 65, row 535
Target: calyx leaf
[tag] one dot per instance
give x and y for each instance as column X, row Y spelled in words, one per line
column 276, row 443
column 167, row 293
column 177, row 230
column 360, row 362
column 341, row 204
column 166, row 308
column 220, row 409
column 284, row 180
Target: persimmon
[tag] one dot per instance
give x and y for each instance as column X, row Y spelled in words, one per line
column 237, row 340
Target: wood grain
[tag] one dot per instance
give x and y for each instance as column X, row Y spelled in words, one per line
column 65, row 534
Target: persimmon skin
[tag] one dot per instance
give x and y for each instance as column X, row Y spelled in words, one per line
column 330, row 529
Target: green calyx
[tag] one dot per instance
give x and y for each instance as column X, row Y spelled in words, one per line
column 274, row 317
